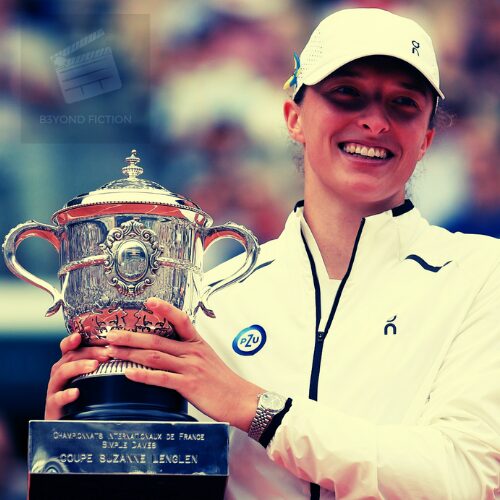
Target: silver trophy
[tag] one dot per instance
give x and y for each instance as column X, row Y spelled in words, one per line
column 127, row 241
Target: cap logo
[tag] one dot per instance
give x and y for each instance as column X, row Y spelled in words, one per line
column 415, row 48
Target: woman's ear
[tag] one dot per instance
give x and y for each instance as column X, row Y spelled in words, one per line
column 429, row 136
column 291, row 111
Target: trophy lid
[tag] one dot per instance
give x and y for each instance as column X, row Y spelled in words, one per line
column 131, row 194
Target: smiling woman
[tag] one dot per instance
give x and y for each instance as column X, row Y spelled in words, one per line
column 360, row 358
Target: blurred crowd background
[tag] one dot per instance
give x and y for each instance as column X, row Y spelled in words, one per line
column 199, row 95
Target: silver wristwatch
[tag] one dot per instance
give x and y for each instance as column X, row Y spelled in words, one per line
column 270, row 403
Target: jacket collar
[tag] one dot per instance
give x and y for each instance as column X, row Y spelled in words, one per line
column 385, row 240
column 405, row 207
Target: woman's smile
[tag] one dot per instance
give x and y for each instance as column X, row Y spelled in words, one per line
column 365, row 152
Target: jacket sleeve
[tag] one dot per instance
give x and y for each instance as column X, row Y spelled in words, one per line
column 452, row 451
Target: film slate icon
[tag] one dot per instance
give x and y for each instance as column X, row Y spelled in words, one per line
column 86, row 75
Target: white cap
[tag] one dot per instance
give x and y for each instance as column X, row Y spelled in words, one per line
column 350, row 34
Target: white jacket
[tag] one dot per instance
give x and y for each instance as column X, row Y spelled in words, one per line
column 406, row 379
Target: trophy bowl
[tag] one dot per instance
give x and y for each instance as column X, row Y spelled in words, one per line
column 129, row 240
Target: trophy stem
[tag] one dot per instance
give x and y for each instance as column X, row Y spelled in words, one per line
column 115, row 397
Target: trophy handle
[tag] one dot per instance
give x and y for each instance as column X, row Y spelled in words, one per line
column 243, row 236
column 12, row 241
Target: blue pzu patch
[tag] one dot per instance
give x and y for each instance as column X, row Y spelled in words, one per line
column 249, row 341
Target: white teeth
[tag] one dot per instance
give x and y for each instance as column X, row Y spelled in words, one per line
column 371, row 152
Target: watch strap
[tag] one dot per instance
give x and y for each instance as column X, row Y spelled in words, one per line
column 269, row 405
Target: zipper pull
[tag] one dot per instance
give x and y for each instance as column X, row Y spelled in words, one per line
column 320, row 336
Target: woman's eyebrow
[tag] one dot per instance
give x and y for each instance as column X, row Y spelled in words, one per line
column 340, row 73
column 346, row 72
column 415, row 86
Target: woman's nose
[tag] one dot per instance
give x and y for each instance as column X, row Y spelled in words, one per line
column 374, row 119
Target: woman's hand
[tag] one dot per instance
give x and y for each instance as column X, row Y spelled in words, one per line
column 190, row 366
column 75, row 361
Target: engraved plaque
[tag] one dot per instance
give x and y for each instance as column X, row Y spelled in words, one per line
column 78, row 459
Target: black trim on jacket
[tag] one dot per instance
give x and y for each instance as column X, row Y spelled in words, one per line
column 320, row 336
column 271, row 429
column 405, row 207
column 402, row 209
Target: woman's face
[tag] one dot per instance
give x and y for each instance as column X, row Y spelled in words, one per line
column 363, row 129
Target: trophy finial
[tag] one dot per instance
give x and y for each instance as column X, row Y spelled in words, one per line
column 132, row 170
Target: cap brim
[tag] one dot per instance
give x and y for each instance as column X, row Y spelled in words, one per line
column 333, row 65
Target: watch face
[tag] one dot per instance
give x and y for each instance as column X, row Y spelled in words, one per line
column 273, row 401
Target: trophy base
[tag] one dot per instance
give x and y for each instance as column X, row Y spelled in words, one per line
column 99, row 460
column 115, row 397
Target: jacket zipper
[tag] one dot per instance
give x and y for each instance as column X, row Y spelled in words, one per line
column 318, row 353
column 320, row 336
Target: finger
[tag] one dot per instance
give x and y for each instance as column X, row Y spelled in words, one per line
column 159, row 378
column 70, row 343
column 55, row 403
column 147, row 357
column 98, row 353
column 179, row 319
column 67, row 371
column 146, row 341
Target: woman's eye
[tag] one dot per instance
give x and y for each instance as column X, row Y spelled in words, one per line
column 347, row 91
column 406, row 101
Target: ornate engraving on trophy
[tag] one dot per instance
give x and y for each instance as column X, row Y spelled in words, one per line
column 94, row 325
column 131, row 260
column 132, row 257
